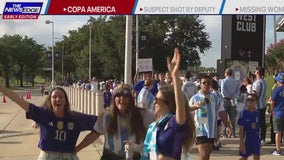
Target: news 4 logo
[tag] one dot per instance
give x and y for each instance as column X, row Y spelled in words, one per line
column 22, row 10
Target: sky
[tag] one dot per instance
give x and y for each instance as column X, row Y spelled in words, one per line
column 41, row 32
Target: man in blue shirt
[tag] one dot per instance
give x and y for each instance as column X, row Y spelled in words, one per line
column 230, row 91
column 277, row 105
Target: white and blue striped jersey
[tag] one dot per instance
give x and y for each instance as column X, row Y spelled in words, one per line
column 206, row 125
column 146, row 97
column 115, row 143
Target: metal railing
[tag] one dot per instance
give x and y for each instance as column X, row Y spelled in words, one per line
column 85, row 101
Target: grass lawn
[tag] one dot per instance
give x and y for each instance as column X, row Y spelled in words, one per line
column 270, row 83
column 15, row 83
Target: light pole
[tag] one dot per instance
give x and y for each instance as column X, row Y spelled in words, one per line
column 90, row 49
column 52, row 54
column 128, row 50
column 274, row 27
column 137, row 44
column 62, row 58
column 62, row 63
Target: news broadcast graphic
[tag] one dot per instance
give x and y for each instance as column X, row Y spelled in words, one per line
column 254, row 7
column 31, row 9
column 22, row 10
column 178, row 7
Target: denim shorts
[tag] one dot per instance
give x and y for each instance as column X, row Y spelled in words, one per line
column 45, row 155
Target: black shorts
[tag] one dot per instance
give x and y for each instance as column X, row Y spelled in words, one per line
column 204, row 139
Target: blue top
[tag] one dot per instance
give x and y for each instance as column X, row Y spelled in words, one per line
column 260, row 87
column 146, row 97
column 278, row 97
column 249, row 120
column 60, row 134
column 230, row 87
column 138, row 86
column 107, row 99
column 169, row 137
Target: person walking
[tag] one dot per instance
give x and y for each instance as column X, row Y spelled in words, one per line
column 122, row 127
column 277, row 106
column 206, row 107
column 188, row 88
column 259, row 86
column 107, row 96
column 270, row 111
column 41, row 88
column 230, row 91
column 145, row 97
column 59, row 126
column 94, row 84
column 241, row 100
column 215, row 91
column 172, row 132
column 161, row 80
column 249, row 129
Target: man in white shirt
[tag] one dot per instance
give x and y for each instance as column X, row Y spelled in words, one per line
column 94, row 84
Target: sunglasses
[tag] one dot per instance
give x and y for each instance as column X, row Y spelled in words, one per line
column 250, row 100
column 206, row 82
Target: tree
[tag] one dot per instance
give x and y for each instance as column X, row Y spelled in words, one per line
column 23, row 55
column 5, row 61
column 108, row 40
column 167, row 32
column 274, row 58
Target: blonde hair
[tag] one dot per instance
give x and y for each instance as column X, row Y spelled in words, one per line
column 148, row 82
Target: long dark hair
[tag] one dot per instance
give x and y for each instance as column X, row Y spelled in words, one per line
column 134, row 118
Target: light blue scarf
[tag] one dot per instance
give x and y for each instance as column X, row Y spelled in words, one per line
column 150, row 143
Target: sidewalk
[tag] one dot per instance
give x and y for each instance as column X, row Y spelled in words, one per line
column 18, row 140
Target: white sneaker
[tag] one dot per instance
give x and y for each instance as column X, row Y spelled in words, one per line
column 276, row 153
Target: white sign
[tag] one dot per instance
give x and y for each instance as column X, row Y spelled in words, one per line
column 252, row 66
column 237, row 75
column 145, row 65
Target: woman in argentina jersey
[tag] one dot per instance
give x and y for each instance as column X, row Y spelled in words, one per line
column 172, row 133
column 122, row 126
column 206, row 109
column 59, row 126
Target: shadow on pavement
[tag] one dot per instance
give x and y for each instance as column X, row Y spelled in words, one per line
column 16, row 134
column 10, row 142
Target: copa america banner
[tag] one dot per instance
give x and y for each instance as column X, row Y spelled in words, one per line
column 31, row 9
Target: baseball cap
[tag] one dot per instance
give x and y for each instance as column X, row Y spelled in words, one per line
column 280, row 77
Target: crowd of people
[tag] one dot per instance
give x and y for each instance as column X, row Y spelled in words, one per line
column 162, row 116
